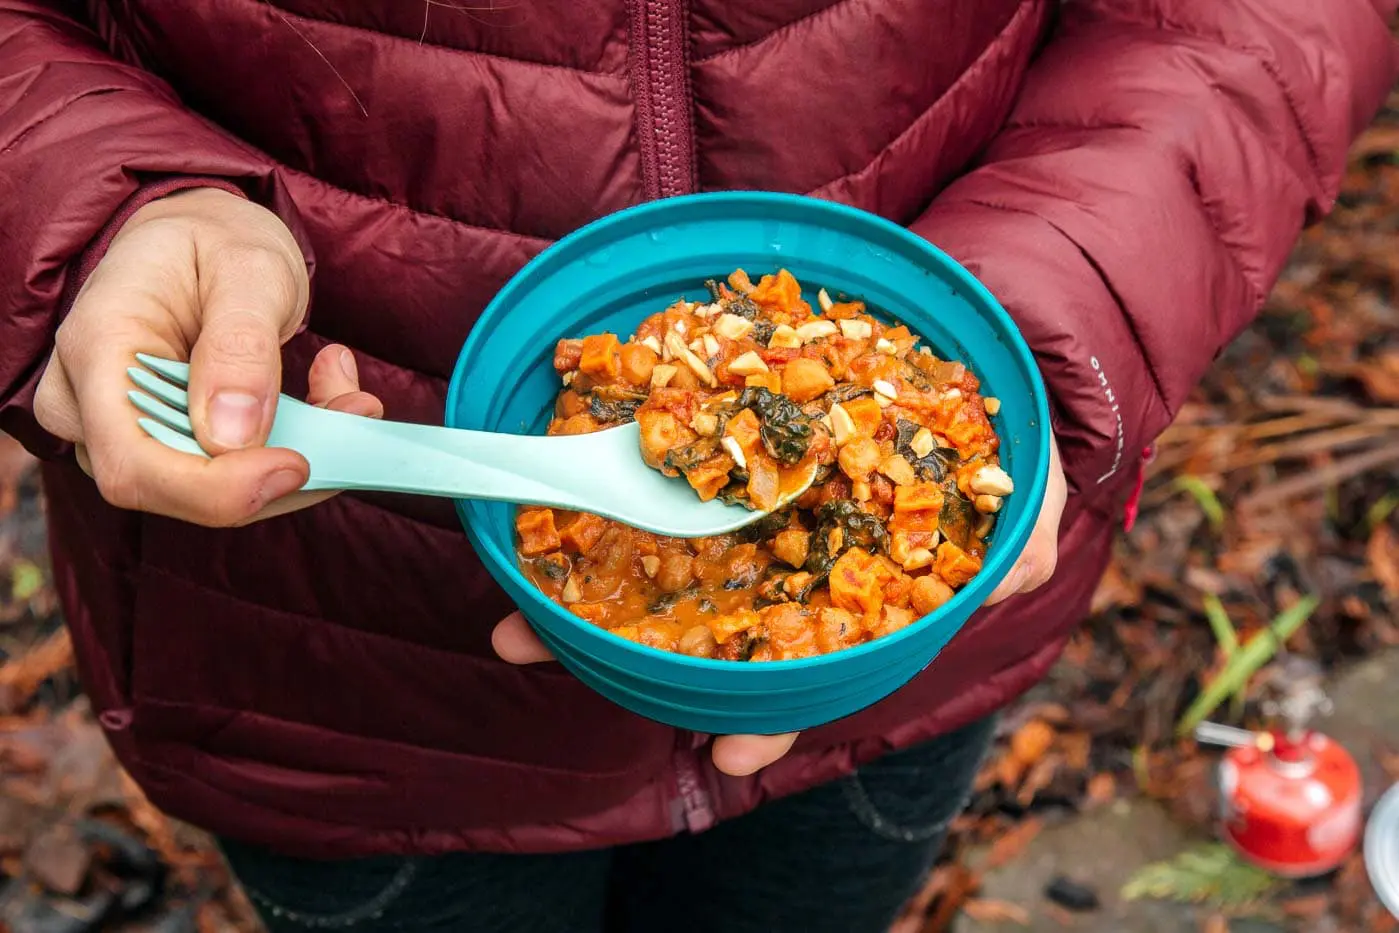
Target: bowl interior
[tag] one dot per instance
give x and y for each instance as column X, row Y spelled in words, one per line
column 613, row 274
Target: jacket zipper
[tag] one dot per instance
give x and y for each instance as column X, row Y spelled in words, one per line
column 661, row 82
column 696, row 804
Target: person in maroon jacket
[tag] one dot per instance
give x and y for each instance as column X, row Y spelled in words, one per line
column 320, row 197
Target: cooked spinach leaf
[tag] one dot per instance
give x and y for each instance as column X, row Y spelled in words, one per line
column 858, row 529
column 785, row 428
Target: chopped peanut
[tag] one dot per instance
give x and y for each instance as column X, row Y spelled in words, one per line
column 661, row 375
column 842, row 425
column 705, row 424
column 816, row 330
column 785, row 337
column 991, row 481
column 732, row 326
column 899, row 470
column 749, row 364
column 735, row 451
column 856, row 330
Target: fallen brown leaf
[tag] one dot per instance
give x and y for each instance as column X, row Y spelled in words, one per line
column 1039, row 776
column 22, row 675
column 1307, row 908
column 1382, row 554
column 1012, row 844
column 1031, row 741
column 58, row 860
column 1102, row 788
column 1380, row 377
column 988, row 911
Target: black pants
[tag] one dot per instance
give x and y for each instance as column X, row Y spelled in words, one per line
column 841, row 858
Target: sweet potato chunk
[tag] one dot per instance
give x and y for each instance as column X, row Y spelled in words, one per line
column 744, row 427
column 955, row 565
column 865, row 413
column 726, row 626
column 804, row 379
column 837, row 628
column 789, row 631
column 583, row 533
column 780, row 292
column 857, row 582
column 920, row 497
column 772, row 381
column 711, row 476
column 537, row 532
column 601, row 357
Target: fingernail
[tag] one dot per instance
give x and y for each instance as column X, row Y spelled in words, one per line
column 234, row 418
column 279, row 484
column 1018, row 576
column 348, row 366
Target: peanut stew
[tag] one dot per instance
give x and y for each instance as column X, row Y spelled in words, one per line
column 741, row 396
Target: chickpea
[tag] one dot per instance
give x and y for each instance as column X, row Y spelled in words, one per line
column 698, row 642
column 677, row 571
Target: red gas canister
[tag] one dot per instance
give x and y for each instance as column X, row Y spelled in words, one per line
column 1290, row 797
column 1292, row 807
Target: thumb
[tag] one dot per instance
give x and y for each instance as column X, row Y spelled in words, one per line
column 248, row 309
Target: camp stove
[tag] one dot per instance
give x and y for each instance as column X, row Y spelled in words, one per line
column 1290, row 797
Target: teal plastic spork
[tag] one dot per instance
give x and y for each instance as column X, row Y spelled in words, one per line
column 602, row 473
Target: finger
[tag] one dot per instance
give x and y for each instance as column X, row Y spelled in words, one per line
column 84, row 461
column 248, row 304
column 516, row 642
column 741, row 755
column 55, row 405
column 111, row 322
column 1039, row 560
column 334, row 384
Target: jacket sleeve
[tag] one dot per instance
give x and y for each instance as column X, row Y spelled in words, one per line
column 1149, row 184
column 84, row 141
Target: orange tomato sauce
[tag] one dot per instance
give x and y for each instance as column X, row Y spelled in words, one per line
column 744, row 397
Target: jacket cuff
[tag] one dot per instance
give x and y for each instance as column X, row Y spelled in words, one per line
column 152, row 191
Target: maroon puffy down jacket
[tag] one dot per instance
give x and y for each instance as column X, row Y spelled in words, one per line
column 1127, row 176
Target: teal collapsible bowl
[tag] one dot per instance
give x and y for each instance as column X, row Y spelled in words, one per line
column 614, row 273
